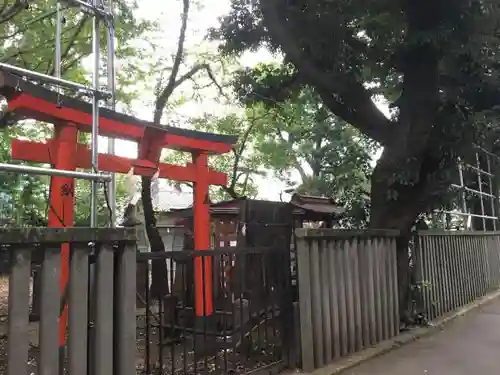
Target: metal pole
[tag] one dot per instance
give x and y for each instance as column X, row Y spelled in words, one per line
column 112, row 89
column 480, row 185
column 57, row 67
column 493, row 197
column 18, row 168
column 51, row 80
column 95, row 114
column 464, row 203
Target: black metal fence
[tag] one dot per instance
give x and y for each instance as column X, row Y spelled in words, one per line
column 249, row 328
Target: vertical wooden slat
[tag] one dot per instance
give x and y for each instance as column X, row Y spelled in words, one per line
column 427, row 268
column 491, row 263
column 390, row 287
column 422, row 244
column 470, row 268
column 434, row 271
column 439, row 274
column 444, row 274
column 78, row 315
column 103, row 349
column 325, row 301
column 340, row 276
column 417, row 258
column 443, row 252
column 473, row 256
column 446, row 278
column 49, row 312
column 394, row 275
column 316, row 304
column 334, row 300
column 363, row 249
column 306, row 325
column 495, row 246
column 349, row 295
column 453, row 271
column 479, row 265
column 19, row 291
column 431, row 281
column 486, row 264
column 371, row 291
column 378, row 291
column 383, row 254
column 461, row 283
column 465, row 289
column 466, row 274
column 125, row 309
column 354, row 257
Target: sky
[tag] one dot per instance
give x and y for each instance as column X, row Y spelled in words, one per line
column 201, row 18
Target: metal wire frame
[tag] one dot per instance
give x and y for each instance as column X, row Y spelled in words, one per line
column 99, row 12
column 485, row 191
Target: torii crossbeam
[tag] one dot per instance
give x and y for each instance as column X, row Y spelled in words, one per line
column 63, row 151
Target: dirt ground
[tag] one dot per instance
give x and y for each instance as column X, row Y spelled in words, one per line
column 4, row 297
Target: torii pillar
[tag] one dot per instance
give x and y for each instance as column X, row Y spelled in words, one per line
column 61, row 213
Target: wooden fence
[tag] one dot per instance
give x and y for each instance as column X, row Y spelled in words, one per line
column 348, row 298
column 112, row 347
column 454, row 268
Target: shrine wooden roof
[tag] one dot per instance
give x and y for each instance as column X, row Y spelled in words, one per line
column 31, row 100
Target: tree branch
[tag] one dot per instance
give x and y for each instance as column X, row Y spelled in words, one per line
column 230, row 191
column 27, row 25
column 164, row 95
column 8, row 13
column 296, row 162
column 238, row 154
column 342, row 93
column 71, row 42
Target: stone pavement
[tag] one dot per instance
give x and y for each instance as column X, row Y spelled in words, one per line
column 470, row 345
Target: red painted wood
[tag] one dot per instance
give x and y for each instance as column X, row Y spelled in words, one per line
column 38, row 152
column 202, row 228
column 62, row 191
column 46, row 111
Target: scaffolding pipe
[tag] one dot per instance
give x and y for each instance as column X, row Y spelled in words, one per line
column 28, row 169
column 470, row 190
column 90, row 6
column 466, row 214
column 96, row 46
column 57, row 67
column 110, row 27
column 480, row 185
column 52, row 80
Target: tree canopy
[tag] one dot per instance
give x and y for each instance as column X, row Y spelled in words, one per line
column 435, row 61
column 27, row 40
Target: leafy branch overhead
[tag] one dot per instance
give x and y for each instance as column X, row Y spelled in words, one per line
column 431, row 58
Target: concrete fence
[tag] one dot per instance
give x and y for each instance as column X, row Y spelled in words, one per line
column 348, row 298
column 454, row 268
column 112, row 347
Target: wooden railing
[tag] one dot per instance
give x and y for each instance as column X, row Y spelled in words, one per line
column 454, row 268
column 348, row 298
column 112, row 347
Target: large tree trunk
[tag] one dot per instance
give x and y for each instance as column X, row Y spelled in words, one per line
column 159, row 283
column 398, row 214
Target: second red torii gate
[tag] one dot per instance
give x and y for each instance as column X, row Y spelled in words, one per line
column 63, row 151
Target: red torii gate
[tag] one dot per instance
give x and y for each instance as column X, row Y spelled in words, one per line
column 64, row 152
